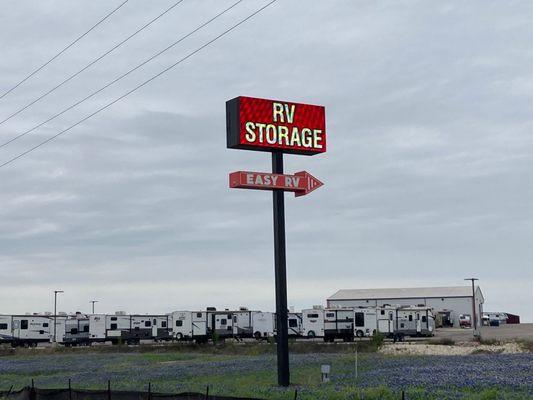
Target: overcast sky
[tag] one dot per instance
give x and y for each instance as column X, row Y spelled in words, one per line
column 428, row 174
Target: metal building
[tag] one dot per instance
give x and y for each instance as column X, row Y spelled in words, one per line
column 448, row 301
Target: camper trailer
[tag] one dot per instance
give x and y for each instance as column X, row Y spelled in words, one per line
column 25, row 330
column 76, row 331
column 400, row 321
column 189, row 325
column 338, row 323
column 263, row 324
column 243, row 323
column 294, row 323
column 313, row 322
column 219, row 323
column 365, row 322
column 129, row 329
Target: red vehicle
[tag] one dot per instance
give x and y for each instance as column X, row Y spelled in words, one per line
column 465, row 321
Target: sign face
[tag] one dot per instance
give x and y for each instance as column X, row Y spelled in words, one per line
column 300, row 183
column 272, row 125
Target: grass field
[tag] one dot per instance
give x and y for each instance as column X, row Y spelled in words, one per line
column 251, row 371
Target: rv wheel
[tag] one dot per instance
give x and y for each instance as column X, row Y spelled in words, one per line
column 359, row 334
column 179, row 336
column 311, row 334
column 257, row 335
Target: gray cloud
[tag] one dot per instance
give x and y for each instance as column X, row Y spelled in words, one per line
column 428, row 172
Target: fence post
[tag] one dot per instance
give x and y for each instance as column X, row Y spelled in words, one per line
column 69, row 390
column 295, row 394
column 149, row 391
column 207, row 392
column 32, row 391
column 403, row 394
column 109, row 390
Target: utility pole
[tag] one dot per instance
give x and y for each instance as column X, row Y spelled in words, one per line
column 93, row 301
column 280, row 272
column 55, row 313
column 473, row 303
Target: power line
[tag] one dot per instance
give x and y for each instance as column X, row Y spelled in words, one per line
column 91, row 63
column 62, row 51
column 139, row 86
column 121, row 76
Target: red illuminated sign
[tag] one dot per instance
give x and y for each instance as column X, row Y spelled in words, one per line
column 273, row 125
column 301, row 183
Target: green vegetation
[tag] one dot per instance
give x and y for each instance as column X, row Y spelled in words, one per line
column 526, row 345
column 248, row 370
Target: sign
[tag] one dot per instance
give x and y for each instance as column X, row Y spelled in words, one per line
column 301, row 183
column 274, row 125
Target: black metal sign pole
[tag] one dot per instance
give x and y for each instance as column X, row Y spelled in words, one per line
column 282, row 336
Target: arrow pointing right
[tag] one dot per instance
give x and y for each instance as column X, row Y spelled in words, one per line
column 310, row 183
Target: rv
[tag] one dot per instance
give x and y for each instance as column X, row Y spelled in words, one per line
column 189, row 325
column 25, row 330
column 294, row 323
column 338, row 323
column 365, row 322
column 313, row 322
column 243, row 323
column 76, row 332
column 220, row 324
column 263, row 324
column 129, row 329
column 400, row 321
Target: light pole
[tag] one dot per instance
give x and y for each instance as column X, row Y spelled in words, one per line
column 55, row 313
column 93, row 301
column 473, row 302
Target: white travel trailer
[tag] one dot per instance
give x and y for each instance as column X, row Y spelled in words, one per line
column 263, row 324
column 220, row 323
column 189, row 325
column 365, row 322
column 338, row 324
column 76, row 331
column 400, row 321
column 313, row 322
column 25, row 330
column 294, row 323
column 243, row 323
column 130, row 329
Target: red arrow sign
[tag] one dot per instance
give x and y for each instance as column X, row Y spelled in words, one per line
column 301, row 183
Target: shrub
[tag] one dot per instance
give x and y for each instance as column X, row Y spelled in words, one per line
column 377, row 339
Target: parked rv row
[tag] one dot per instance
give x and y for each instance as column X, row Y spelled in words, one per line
column 201, row 326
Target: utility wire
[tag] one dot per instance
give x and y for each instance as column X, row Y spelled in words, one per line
column 62, row 51
column 139, row 86
column 91, row 63
column 121, row 76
